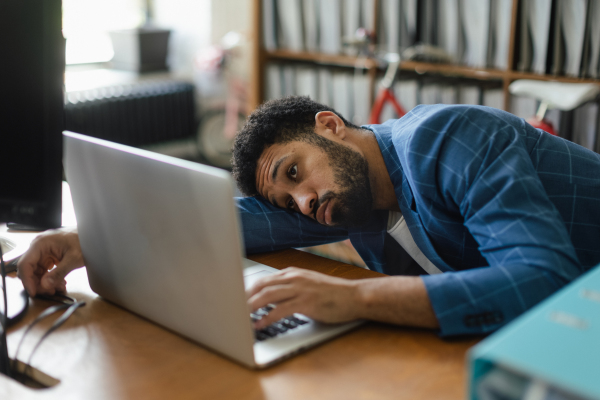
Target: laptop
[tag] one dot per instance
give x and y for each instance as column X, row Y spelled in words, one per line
column 161, row 238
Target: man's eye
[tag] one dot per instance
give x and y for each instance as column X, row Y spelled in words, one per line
column 290, row 204
column 293, row 171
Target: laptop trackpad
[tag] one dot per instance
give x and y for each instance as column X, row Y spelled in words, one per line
column 253, row 277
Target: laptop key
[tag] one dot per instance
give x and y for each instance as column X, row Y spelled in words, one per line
column 299, row 321
column 289, row 323
column 276, row 328
column 271, row 331
column 280, row 327
column 261, row 312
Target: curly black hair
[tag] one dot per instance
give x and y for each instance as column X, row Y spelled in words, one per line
column 277, row 121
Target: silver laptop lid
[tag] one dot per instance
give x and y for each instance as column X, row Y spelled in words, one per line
column 160, row 237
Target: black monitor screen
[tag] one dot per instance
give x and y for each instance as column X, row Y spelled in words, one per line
column 31, row 111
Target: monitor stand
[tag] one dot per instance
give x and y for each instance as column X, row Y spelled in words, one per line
column 22, row 227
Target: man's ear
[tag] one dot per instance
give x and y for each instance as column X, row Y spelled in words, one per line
column 328, row 123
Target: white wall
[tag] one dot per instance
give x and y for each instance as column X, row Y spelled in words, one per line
column 228, row 15
column 199, row 23
column 190, row 22
column 234, row 15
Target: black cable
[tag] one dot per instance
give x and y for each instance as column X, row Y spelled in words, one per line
column 68, row 303
column 54, row 327
column 4, row 360
column 47, row 312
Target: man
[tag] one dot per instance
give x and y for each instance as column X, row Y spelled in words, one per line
column 487, row 215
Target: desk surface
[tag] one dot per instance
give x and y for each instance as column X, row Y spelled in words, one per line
column 105, row 352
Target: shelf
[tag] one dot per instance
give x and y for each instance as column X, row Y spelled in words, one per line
column 421, row 67
column 453, row 70
column 351, row 61
column 321, row 58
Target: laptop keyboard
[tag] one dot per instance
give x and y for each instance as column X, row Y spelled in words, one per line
column 276, row 328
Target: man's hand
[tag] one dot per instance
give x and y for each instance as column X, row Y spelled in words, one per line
column 401, row 300
column 294, row 290
column 36, row 267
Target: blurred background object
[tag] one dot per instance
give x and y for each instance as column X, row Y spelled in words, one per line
column 139, row 88
column 223, row 93
column 141, row 49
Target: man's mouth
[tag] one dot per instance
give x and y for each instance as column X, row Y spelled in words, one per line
column 323, row 214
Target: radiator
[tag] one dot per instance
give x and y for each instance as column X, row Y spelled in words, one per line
column 135, row 115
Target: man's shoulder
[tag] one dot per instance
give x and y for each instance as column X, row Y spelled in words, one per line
column 426, row 124
column 439, row 118
column 416, row 128
column 450, row 134
column 442, row 116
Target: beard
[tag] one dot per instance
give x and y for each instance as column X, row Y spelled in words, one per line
column 354, row 201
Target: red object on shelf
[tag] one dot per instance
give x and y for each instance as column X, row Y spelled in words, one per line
column 544, row 125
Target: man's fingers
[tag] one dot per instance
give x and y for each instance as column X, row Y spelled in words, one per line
column 62, row 288
column 35, row 268
column 30, row 273
column 280, row 278
column 53, row 279
column 28, row 278
column 272, row 295
column 281, row 310
column 33, row 264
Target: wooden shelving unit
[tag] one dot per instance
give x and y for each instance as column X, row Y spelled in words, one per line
column 261, row 57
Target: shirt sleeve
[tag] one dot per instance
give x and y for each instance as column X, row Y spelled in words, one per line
column 268, row 228
column 485, row 176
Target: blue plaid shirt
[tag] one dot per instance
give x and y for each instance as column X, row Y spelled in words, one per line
column 508, row 212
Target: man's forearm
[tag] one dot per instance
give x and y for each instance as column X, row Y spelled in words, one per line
column 400, row 300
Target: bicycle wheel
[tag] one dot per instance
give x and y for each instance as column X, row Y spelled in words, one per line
column 211, row 141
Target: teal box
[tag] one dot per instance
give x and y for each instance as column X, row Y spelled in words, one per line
column 557, row 342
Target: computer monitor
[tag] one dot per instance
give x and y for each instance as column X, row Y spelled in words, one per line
column 32, row 66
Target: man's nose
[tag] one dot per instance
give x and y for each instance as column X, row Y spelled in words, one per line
column 306, row 202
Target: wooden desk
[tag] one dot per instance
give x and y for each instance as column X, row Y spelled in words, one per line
column 105, row 352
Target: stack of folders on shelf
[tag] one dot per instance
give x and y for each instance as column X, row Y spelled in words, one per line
column 314, row 25
column 559, row 37
column 473, row 32
column 348, row 91
column 551, row 352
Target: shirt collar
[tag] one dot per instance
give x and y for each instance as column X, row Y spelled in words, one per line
column 383, row 134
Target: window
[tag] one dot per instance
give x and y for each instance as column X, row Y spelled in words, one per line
column 86, row 24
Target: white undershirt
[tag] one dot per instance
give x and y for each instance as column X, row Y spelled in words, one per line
column 398, row 229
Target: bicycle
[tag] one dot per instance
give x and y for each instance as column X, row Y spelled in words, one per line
column 553, row 95
column 386, row 94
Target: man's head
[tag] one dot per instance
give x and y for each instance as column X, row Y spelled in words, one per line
column 292, row 152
